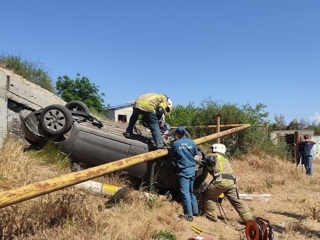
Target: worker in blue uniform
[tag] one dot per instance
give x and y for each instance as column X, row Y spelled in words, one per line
column 183, row 152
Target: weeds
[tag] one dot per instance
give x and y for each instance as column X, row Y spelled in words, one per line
column 32, row 71
column 312, row 208
column 152, row 199
column 53, row 155
column 249, row 189
column 163, row 235
column 76, row 214
column 269, row 184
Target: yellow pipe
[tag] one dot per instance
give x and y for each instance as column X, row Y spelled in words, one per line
column 107, row 189
column 220, row 134
column 212, row 126
column 215, row 126
column 97, row 187
column 33, row 190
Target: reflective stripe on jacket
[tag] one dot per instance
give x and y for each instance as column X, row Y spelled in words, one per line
column 222, row 172
column 151, row 101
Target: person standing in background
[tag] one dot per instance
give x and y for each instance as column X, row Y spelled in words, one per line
column 308, row 153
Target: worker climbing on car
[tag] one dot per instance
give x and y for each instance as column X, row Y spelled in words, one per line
column 218, row 165
column 152, row 106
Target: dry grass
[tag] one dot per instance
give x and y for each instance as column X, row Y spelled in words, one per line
column 293, row 209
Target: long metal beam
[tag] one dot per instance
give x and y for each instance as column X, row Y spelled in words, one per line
column 33, row 190
column 215, row 126
column 211, row 126
column 220, row 134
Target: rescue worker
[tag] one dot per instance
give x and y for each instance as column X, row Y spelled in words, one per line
column 308, row 153
column 165, row 131
column 152, row 106
column 184, row 151
column 218, row 165
column 164, row 127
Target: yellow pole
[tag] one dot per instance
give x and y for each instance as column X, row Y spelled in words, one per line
column 33, row 190
column 212, row 126
column 220, row 134
column 97, row 187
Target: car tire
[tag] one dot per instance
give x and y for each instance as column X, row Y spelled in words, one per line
column 78, row 106
column 55, row 120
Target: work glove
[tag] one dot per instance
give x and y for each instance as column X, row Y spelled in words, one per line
column 159, row 112
column 197, row 158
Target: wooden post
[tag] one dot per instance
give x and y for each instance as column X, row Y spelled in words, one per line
column 296, row 142
column 218, row 126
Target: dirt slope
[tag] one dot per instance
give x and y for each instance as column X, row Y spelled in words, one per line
column 292, row 209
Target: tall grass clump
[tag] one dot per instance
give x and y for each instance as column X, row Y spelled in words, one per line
column 162, row 234
column 51, row 154
column 32, row 71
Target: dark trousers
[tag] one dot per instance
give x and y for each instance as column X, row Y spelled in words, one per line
column 152, row 120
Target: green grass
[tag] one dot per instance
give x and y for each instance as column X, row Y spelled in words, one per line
column 32, row 71
column 53, row 155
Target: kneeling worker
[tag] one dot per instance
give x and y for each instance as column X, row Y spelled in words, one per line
column 218, row 165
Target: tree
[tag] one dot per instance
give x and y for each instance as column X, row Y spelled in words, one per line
column 293, row 125
column 182, row 115
column 241, row 142
column 80, row 89
column 316, row 128
column 280, row 123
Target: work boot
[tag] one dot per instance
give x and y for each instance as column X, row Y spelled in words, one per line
column 212, row 216
column 162, row 147
column 126, row 134
column 244, row 221
column 197, row 214
column 186, row 217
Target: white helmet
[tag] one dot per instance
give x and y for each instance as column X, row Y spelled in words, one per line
column 220, row 148
column 170, row 106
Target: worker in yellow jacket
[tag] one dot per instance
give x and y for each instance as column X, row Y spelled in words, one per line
column 152, row 106
column 218, row 165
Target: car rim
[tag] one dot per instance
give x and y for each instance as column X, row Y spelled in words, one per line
column 54, row 120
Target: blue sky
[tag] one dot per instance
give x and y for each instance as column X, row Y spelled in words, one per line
column 237, row 52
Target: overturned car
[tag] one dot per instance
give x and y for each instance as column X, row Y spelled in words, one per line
column 92, row 141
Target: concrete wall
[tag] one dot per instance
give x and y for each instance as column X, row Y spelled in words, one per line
column 3, row 107
column 16, row 95
column 316, row 148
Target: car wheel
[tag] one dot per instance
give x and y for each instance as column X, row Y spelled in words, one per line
column 77, row 106
column 55, row 120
